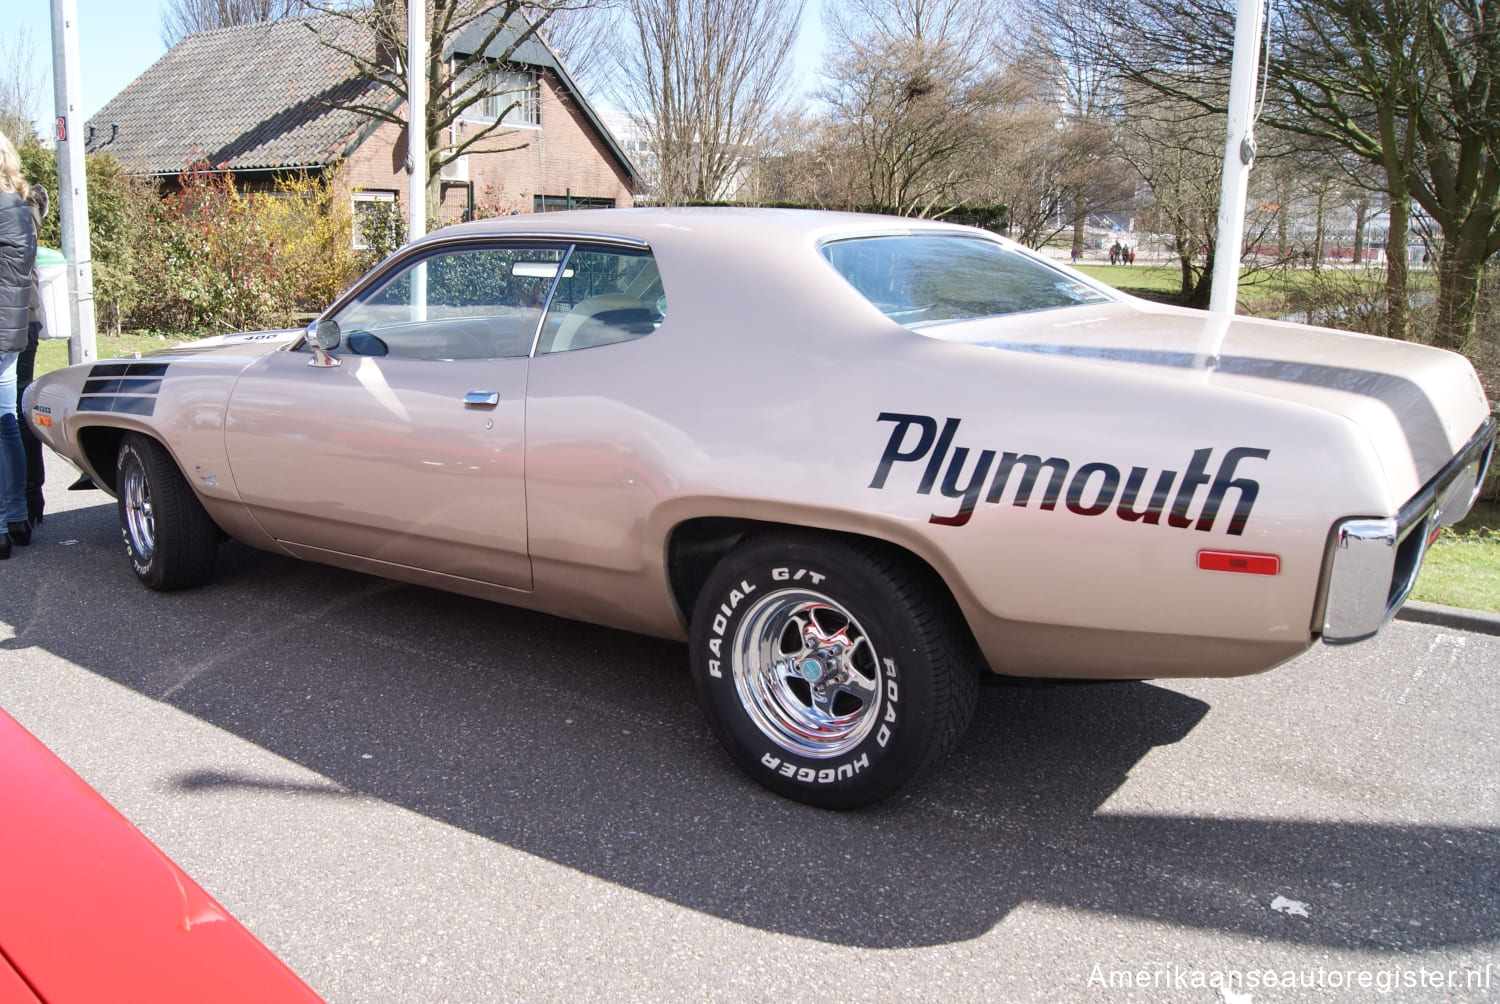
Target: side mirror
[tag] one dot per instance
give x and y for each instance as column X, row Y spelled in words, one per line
column 321, row 337
column 326, row 335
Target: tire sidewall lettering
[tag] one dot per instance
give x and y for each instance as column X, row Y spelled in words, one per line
column 729, row 605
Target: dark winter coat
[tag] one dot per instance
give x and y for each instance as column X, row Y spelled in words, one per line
column 17, row 259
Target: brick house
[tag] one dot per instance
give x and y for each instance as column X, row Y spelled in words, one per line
column 262, row 101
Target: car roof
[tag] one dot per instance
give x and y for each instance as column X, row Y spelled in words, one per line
column 690, row 224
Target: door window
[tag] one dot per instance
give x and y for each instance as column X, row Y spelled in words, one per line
column 476, row 303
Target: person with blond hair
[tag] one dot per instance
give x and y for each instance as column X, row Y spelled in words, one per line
column 17, row 261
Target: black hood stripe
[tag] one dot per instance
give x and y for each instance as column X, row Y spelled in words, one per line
column 122, row 387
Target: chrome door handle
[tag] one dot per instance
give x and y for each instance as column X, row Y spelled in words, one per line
column 482, row 398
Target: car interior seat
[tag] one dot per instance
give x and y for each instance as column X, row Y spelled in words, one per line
column 601, row 320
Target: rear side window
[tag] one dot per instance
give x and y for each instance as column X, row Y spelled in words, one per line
column 921, row 279
column 603, row 296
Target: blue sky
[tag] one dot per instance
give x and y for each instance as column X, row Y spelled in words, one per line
column 119, row 39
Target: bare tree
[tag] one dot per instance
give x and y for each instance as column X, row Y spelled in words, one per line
column 966, row 29
column 702, row 80
column 1178, row 153
column 1062, row 43
column 583, row 37
column 910, row 97
column 1050, row 168
column 803, row 160
column 460, row 85
column 1023, row 161
column 1410, row 86
column 180, row 18
column 21, row 87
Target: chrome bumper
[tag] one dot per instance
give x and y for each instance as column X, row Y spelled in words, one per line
column 1374, row 562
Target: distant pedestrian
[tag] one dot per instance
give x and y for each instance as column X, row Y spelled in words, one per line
column 17, row 261
column 1073, row 253
column 1131, row 256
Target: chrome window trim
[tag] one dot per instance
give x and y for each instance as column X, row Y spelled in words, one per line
column 426, row 246
column 541, row 319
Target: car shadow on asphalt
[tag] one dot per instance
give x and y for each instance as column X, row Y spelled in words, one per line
column 584, row 746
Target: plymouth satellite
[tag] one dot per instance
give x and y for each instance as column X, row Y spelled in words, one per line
column 852, row 460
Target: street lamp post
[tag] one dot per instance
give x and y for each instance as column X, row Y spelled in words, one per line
column 416, row 115
column 72, row 182
column 1239, row 154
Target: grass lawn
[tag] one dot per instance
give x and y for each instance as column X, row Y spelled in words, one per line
column 1462, row 568
column 53, row 353
column 1263, row 293
column 1142, row 280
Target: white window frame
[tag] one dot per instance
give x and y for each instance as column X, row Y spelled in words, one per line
column 357, row 231
column 510, row 84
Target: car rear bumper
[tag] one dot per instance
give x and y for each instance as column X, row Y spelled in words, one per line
column 1374, row 562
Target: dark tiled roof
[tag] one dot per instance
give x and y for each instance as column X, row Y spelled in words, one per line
column 256, row 96
column 263, row 96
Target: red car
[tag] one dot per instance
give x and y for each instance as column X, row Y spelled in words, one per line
column 90, row 910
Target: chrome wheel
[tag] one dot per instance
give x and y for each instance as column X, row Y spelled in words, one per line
column 807, row 674
column 140, row 520
column 168, row 535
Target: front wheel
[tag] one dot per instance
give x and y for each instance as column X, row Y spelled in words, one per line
column 171, row 540
column 833, row 673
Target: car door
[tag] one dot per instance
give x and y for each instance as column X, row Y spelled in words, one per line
column 404, row 444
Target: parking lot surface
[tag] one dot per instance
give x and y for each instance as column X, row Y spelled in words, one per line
column 412, row 796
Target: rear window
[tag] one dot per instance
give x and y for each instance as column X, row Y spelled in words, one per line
column 921, row 279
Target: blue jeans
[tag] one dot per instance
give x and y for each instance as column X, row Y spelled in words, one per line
column 12, row 454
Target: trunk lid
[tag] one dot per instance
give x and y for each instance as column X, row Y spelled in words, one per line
column 1418, row 405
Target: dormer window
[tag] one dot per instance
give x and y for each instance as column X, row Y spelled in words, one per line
column 513, row 91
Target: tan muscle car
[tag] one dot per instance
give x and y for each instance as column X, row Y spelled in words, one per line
column 852, row 460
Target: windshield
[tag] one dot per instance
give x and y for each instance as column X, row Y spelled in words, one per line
column 921, row 279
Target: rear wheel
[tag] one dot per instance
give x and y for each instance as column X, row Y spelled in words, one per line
column 833, row 673
column 171, row 540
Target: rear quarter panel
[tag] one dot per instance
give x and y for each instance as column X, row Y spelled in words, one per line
column 772, row 410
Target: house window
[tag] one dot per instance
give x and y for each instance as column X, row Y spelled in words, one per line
column 511, row 91
column 377, row 221
column 558, row 203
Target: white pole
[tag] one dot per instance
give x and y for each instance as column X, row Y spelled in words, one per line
column 416, row 117
column 416, row 143
column 1239, row 153
column 72, row 181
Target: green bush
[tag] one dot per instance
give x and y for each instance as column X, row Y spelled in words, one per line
column 219, row 259
column 120, row 207
column 382, row 229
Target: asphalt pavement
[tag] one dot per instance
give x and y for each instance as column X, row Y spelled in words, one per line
column 412, row 796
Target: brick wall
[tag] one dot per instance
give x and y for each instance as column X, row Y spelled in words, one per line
column 564, row 155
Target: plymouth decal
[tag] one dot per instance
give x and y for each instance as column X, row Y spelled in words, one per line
column 1089, row 489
